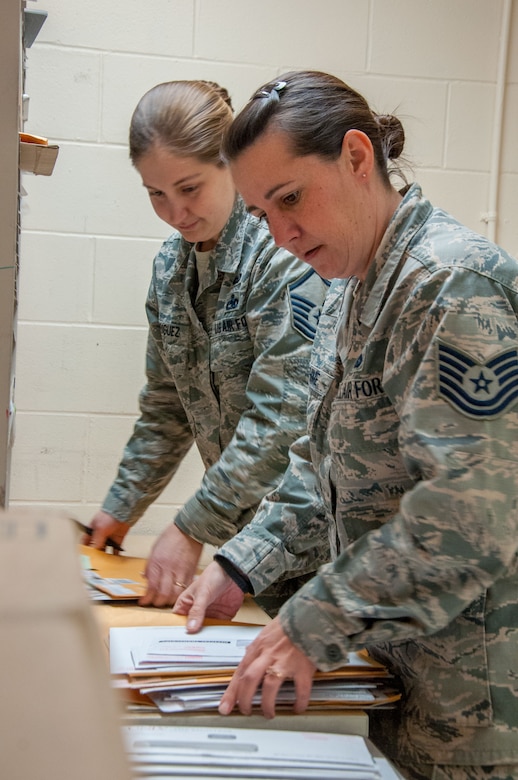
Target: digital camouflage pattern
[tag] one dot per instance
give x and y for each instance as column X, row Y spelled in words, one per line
column 413, row 437
column 227, row 368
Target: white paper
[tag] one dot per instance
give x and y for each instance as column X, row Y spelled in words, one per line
column 130, row 647
column 208, row 697
column 182, row 751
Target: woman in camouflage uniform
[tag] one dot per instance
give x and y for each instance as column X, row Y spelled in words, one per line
column 412, row 442
column 231, row 324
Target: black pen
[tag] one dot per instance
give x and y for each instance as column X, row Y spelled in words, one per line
column 109, row 542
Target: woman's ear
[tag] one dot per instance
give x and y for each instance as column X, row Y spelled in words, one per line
column 358, row 152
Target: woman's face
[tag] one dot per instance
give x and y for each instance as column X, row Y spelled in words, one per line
column 194, row 197
column 319, row 210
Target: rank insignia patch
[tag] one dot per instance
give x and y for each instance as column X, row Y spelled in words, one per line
column 478, row 389
column 304, row 312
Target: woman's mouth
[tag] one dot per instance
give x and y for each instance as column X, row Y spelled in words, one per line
column 187, row 228
column 311, row 254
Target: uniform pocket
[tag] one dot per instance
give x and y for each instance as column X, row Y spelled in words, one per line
column 446, row 675
column 368, row 470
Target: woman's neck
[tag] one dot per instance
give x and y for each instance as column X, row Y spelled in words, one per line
column 207, row 246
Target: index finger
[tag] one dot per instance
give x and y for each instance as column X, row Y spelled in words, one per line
column 242, row 687
column 162, row 589
column 273, row 682
column 193, row 605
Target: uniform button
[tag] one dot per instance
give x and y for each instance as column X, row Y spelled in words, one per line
column 333, row 653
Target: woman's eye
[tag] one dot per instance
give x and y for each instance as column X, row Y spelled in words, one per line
column 190, row 190
column 155, row 193
column 261, row 219
column 291, row 199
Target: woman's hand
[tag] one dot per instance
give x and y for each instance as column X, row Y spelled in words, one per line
column 170, row 568
column 212, row 594
column 105, row 527
column 269, row 660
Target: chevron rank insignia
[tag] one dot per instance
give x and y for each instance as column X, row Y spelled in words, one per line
column 478, row 389
column 304, row 312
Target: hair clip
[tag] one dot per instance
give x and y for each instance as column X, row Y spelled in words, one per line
column 279, row 86
column 273, row 93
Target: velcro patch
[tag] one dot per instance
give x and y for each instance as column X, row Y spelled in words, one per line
column 304, row 311
column 478, row 389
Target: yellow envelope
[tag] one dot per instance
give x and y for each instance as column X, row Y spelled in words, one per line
column 120, row 576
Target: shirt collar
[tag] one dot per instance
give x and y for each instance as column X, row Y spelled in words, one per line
column 407, row 220
column 228, row 250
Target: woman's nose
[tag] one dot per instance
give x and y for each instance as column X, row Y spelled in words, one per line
column 283, row 229
column 175, row 212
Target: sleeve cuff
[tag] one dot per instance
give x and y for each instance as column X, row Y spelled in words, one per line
column 237, row 576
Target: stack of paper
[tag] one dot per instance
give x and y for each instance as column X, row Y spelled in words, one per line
column 171, row 649
column 201, row 753
column 178, row 672
column 112, row 577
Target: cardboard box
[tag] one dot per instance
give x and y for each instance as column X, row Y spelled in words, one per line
column 59, row 717
column 38, row 158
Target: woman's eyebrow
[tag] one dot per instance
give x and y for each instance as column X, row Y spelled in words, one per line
column 274, row 189
column 271, row 192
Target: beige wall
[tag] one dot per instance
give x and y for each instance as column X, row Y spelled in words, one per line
column 89, row 234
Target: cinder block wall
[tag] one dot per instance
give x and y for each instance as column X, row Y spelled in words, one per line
column 89, row 233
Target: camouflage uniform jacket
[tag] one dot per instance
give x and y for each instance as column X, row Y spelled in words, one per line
column 413, row 422
column 234, row 382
